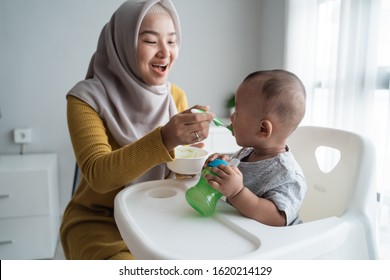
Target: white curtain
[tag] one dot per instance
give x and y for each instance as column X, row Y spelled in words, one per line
column 332, row 45
column 341, row 50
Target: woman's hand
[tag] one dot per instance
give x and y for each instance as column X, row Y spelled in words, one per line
column 186, row 128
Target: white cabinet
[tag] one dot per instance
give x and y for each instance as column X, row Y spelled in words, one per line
column 221, row 140
column 29, row 206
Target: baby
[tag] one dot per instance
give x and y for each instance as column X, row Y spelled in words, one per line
column 268, row 185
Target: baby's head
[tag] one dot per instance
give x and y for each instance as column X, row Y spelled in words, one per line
column 277, row 96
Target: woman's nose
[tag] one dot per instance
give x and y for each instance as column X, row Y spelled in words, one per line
column 163, row 51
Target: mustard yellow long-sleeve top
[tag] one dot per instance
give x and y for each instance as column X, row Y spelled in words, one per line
column 88, row 229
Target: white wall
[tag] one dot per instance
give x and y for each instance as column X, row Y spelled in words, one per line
column 220, row 46
column 45, row 47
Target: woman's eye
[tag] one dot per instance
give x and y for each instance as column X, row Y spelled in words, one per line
column 150, row 42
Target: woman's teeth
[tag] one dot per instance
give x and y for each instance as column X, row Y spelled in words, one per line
column 161, row 66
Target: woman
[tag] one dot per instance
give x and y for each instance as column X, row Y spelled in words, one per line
column 124, row 122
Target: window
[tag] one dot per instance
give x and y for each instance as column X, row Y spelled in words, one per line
column 341, row 50
column 382, row 99
column 343, row 56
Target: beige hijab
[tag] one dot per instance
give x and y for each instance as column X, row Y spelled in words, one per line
column 113, row 87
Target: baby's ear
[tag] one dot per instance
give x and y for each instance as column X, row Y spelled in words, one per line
column 265, row 128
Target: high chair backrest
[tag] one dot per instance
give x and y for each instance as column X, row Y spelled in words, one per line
column 348, row 160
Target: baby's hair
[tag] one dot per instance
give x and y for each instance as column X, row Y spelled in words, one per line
column 282, row 93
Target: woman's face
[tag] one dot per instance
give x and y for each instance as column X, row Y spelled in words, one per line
column 157, row 49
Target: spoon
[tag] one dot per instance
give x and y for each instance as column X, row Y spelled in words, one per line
column 216, row 120
column 234, row 161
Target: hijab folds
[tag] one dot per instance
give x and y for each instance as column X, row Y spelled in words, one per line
column 113, row 88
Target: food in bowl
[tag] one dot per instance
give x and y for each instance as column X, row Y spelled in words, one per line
column 188, row 160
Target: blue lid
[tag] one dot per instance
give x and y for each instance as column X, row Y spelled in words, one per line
column 217, row 162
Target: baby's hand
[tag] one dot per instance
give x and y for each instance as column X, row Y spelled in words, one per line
column 229, row 180
column 213, row 157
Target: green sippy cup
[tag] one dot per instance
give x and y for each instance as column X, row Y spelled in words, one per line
column 202, row 197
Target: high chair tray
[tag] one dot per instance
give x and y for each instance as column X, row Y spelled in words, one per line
column 156, row 222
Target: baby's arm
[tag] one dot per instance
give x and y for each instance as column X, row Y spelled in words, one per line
column 257, row 208
column 230, row 183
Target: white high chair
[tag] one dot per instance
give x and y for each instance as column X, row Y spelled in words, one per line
column 346, row 192
column 339, row 212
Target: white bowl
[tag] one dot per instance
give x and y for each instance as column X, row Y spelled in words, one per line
column 189, row 160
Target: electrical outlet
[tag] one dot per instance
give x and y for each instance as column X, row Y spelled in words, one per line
column 22, row 135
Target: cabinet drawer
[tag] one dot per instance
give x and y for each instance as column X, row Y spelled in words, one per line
column 24, row 193
column 27, row 238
